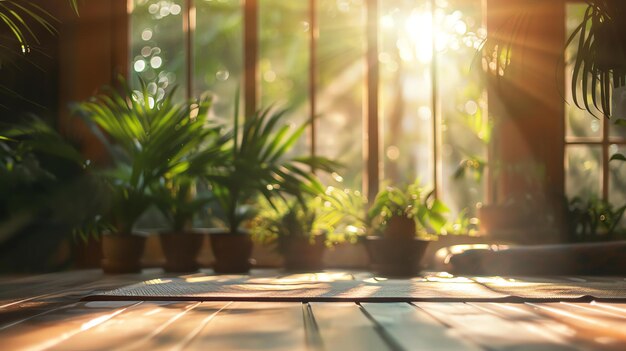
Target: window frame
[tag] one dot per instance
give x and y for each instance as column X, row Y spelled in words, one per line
column 604, row 141
column 371, row 136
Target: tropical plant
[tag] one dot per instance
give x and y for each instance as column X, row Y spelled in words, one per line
column 276, row 223
column 43, row 182
column 149, row 140
column 412, row 202
column 24, row 20
column 175, row 193
column 594, row 219
column 20, row 15
column 258, row 162
column 348, row 209
column 600, row 58
column 463, row 224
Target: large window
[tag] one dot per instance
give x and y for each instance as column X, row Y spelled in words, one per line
column 591, row 141
column 312, row 57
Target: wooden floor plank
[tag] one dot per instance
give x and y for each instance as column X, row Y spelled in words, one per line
column 56, row 298
column 343, row 326
column 128, row 328
column 23, row 313
column 47, row 330
column 616, row 307
column 606, row 329
column 177, row 332
column 44, row 312
column 29, row 287
column 253, row 326
column 615, row 313
column 413, row 329
column 490, row 330
column 523, row 314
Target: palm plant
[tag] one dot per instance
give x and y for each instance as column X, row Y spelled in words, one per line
column 258, row 163
column 175, row 193
column 20, row 15
column 149, row 140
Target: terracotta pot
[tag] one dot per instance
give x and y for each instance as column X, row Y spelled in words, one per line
column 122, row 253
column 400, row 227
column 181, row 251
column 232, row 253
column 395, row 257
column 87, row 254
column 301, row 255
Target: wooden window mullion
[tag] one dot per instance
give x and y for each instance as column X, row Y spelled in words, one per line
column 250, row 53
column 189, row 27
column 436, row 110
column 371, row 178
column 605, row 159
column 313, row 31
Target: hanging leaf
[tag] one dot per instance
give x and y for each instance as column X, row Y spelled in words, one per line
column 618, row 157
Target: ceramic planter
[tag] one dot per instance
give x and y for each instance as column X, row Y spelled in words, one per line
column 395, row 257
column 232, row 253
column 302, row 255
column 122, row 253
column 181, row 251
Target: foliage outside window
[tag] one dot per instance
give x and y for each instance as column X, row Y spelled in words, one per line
column 429, row 95
column 591, row 141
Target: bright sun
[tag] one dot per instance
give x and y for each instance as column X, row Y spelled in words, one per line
column 418, row 36
column 419, row 30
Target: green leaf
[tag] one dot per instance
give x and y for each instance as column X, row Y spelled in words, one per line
column 618, row 157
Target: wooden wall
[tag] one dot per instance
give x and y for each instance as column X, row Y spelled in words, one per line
column 527, row 102
column 92, row 53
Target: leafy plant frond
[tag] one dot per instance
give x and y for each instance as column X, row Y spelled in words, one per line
column 412, row 201
column 153, row 142
column 258, row 163
column 599, row 63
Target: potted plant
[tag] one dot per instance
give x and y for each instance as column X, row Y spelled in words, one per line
column 177, row 197
column 148, row 138
column 299, row 231
column 178, row 202
column 257, row 162
column 43, row 185
column 404, row 220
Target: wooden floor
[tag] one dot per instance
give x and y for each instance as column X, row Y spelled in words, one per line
column 45, row 312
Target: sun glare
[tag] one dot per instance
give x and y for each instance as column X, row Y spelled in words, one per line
column 419, row 29
column 419, row 33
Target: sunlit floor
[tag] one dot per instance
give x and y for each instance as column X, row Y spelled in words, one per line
column 45, row 312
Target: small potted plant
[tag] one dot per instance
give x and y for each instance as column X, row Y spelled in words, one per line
column 147, row 138
column 256, row 163
column 403, row 220
column 299, row 231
